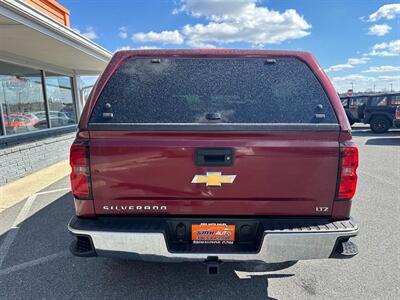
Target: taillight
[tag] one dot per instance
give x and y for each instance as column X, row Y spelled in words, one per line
column 348, row 176
column 80, row 174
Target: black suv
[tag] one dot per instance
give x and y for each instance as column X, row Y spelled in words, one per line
column 377, row 110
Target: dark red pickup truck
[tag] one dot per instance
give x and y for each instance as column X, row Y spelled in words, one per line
column 213, row 155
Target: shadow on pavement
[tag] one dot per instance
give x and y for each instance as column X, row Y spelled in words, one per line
column 38, row 259
column 369, row 133
column 384, row 142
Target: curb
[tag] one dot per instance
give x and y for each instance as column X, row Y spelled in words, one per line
column 20, row 189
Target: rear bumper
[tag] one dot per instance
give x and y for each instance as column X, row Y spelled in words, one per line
column 280, row 241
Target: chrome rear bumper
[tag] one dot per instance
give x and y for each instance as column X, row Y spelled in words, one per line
column 277, row 245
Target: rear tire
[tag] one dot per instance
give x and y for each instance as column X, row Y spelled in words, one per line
column 379, row 124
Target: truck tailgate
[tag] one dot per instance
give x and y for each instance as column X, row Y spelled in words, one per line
column 278, row 173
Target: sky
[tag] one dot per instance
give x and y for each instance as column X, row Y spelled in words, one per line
column 357, row 42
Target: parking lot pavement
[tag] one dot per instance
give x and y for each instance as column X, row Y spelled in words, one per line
column 35, row 262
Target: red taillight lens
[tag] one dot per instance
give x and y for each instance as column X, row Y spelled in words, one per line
column 348, row 176
column 80, row 174
column 397, row 116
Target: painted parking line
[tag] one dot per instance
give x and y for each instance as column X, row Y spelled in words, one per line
column 12, row 233
column 54, row 191
column 6, row 245
column 22, row 215
column 34, row 262
column 24, row 211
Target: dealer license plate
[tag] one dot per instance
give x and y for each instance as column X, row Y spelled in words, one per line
column 213, row 233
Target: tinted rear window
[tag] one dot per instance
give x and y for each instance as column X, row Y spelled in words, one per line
column 192, row 90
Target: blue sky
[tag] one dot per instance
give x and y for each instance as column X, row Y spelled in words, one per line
column 354, row 41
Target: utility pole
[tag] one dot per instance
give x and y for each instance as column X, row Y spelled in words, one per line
column 374, row 87
column 391, row 87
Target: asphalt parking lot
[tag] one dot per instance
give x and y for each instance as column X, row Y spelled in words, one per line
column 35, row 261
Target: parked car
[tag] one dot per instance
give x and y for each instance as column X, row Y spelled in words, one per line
column 34, row 119
column 18, row 120
column 68, row 111
column 52, row 114
column 19, row 123
column 55, row 122
column 380, row 111
column 377, row 110
column 213, row 155
column 354, row 108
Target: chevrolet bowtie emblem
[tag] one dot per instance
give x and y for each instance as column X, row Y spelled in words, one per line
column 213, row 178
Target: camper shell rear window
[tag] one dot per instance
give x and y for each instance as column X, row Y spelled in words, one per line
column 213, row 90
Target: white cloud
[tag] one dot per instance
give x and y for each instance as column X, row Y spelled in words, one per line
column 138, row 48
column 339, row 67
column 199, row 44
column 89, row 33
column 124, row 48
column 233, row 21
column 382, row 69
column 351, row 62
column 351, row 77
column 388, row 11
column 147, row 47
column 389, row 77
column 365, row 83
column 164, row 37
column 214, row 9
column 386, row 49
column 379, row 30
column 123, row 32
column 358, row 61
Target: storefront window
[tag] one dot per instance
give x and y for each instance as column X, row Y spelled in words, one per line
column 21, row 99
column 60, row 99
column 86, row 85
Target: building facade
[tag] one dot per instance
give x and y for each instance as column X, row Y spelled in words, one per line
column 41, row 62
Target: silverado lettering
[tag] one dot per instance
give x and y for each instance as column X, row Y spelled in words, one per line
column 243, row 155
column 132, row 207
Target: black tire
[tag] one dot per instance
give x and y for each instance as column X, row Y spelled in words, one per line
column 379, row 124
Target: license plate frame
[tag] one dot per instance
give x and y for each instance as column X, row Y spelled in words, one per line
column 213, row 233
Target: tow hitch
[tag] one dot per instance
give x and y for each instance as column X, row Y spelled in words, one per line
column 213, row 264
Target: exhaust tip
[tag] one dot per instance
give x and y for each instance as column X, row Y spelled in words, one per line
column 82, row 246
